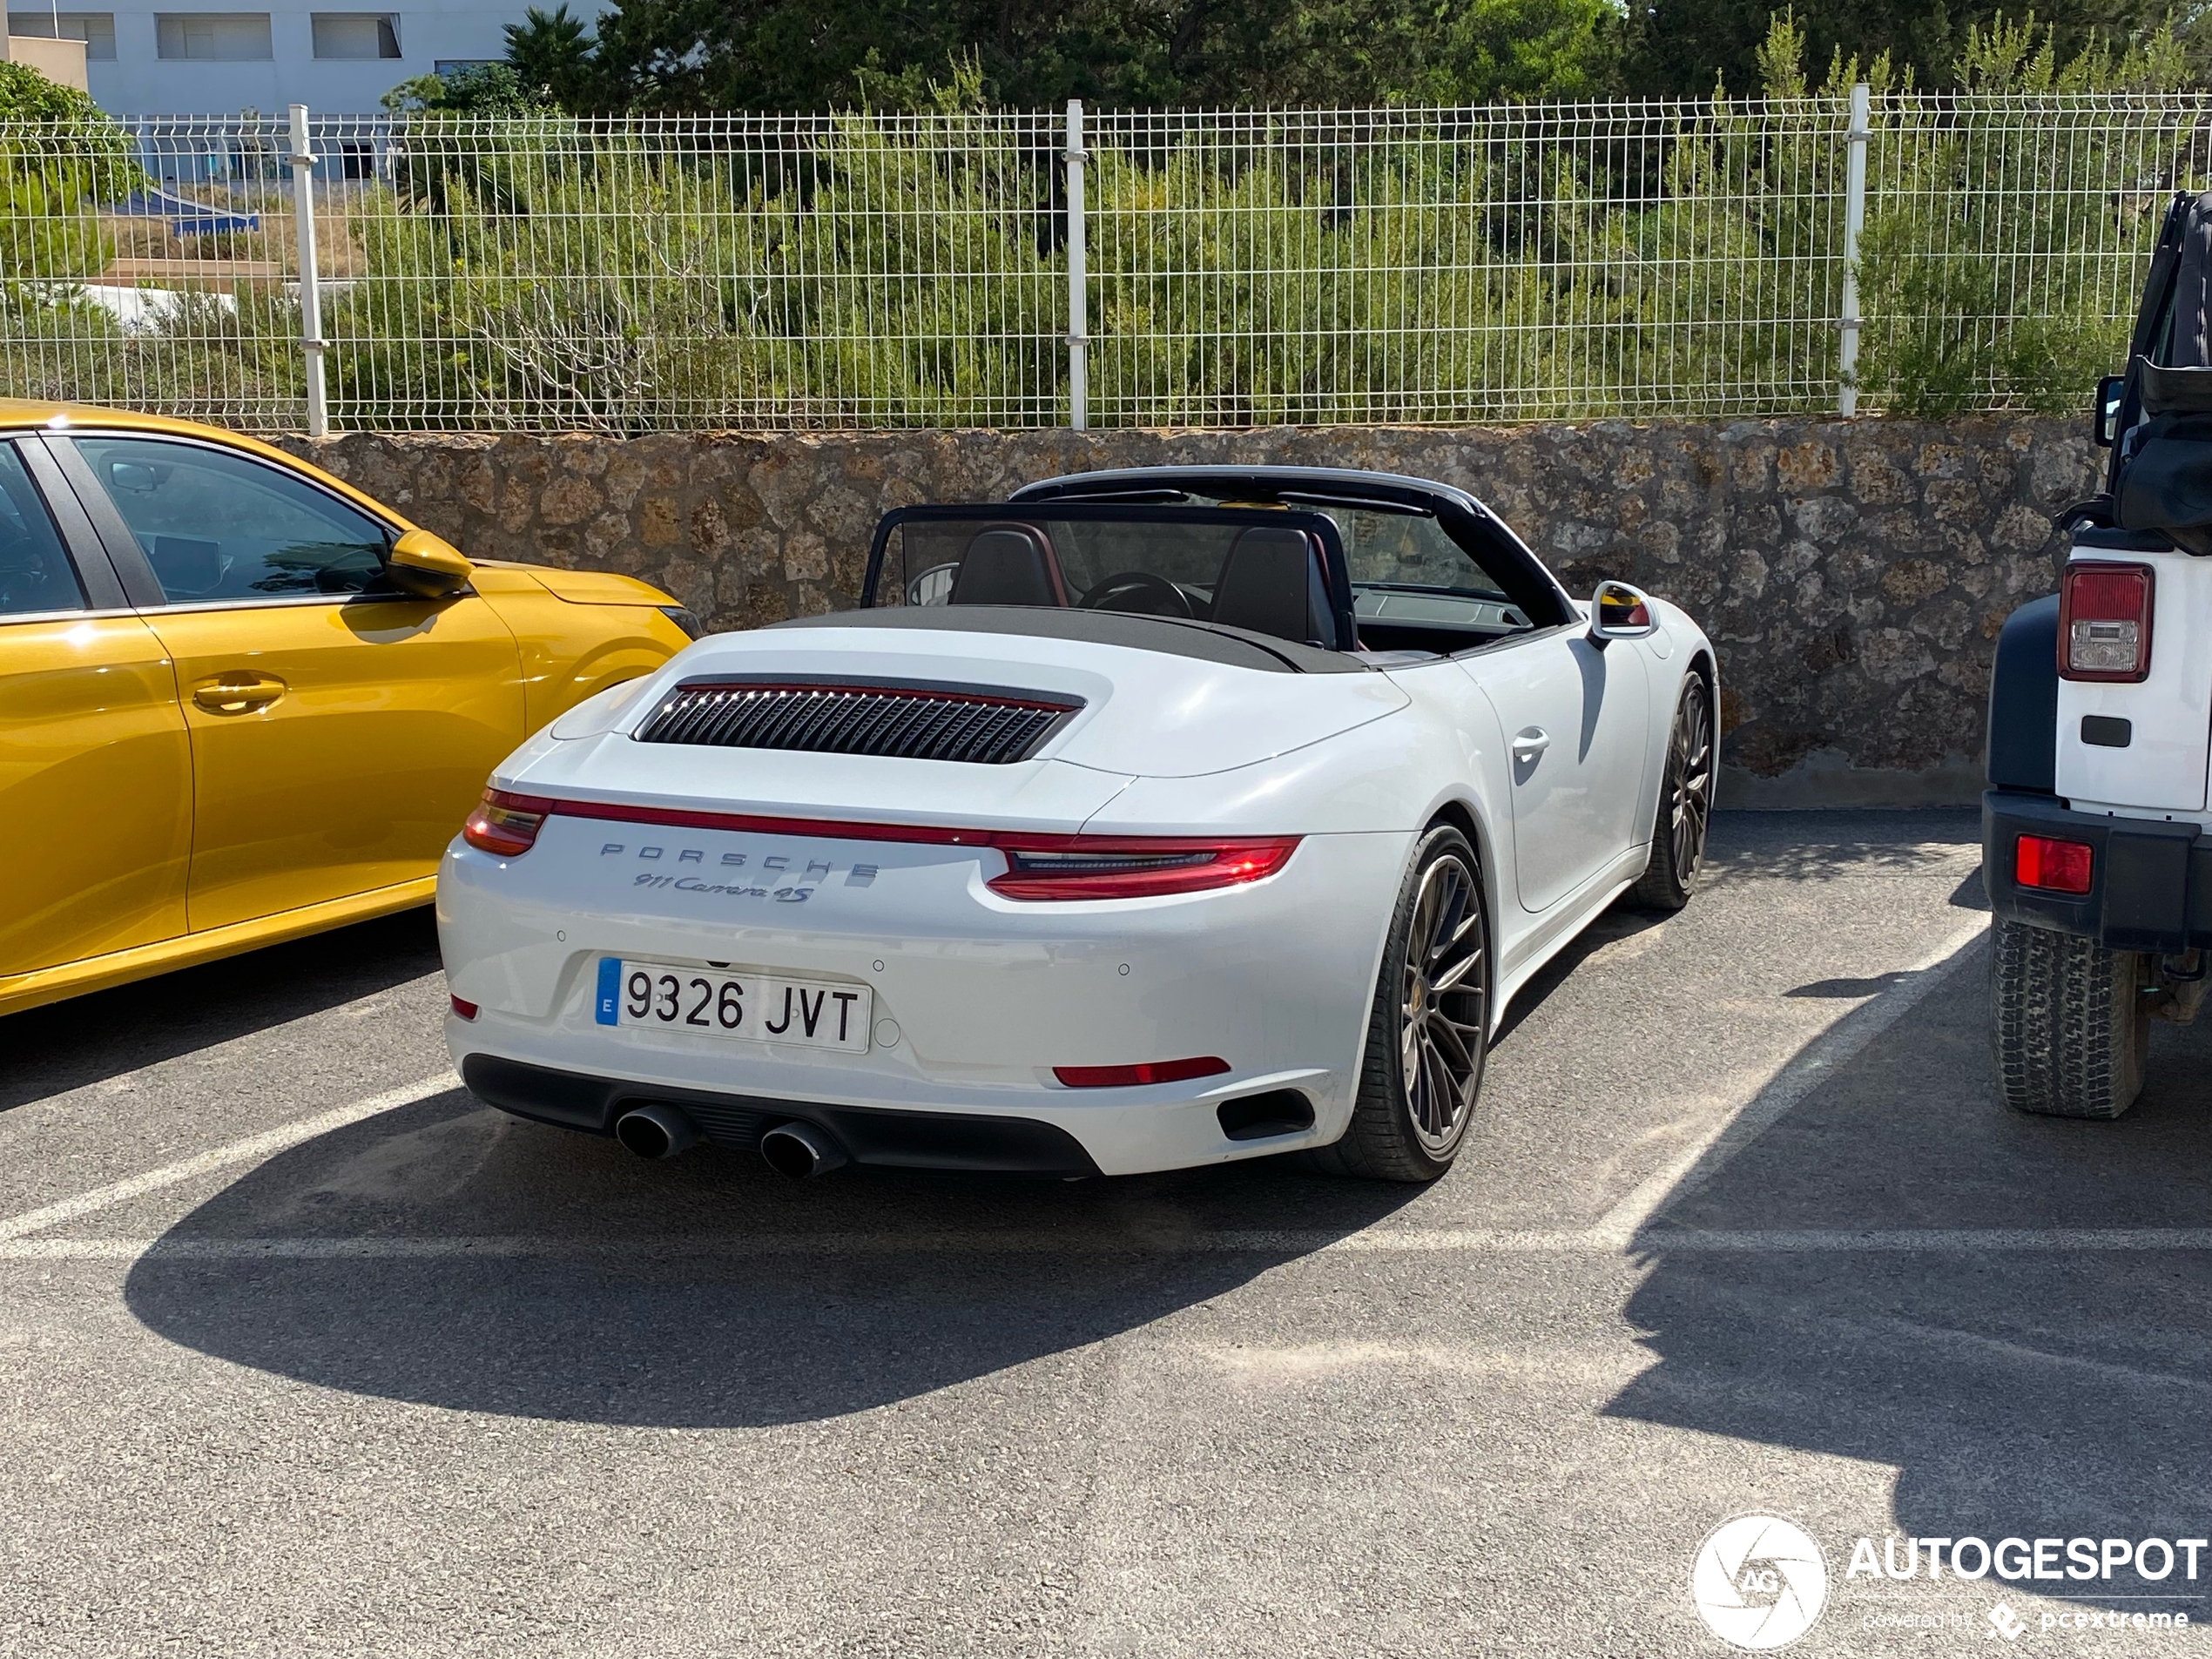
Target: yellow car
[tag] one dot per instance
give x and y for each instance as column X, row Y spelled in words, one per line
column 240, row 702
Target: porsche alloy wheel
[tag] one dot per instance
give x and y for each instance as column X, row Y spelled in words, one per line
column 1429, row 1031
column 1439, row 1044
column 1685, row 803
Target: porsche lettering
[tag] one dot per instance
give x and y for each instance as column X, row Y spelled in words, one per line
column 778, row 863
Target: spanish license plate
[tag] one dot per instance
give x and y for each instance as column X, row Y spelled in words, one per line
column 721, row 1002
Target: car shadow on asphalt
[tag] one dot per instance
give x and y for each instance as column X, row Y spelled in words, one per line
column 2019, row 1389
column 700, row 1291
column 88, row 1039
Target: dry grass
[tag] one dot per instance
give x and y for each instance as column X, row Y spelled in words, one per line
column 339, row 254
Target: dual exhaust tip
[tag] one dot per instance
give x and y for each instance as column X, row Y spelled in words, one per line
column 795, row 1148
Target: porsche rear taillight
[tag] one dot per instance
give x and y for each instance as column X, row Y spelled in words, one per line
column 1098, row 866
column 2104, row 621
column 506, row 825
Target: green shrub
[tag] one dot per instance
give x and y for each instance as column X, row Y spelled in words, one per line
column 59, row 156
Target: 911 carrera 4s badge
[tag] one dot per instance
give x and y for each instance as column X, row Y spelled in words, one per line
column 723, row 1002
column 785, row 877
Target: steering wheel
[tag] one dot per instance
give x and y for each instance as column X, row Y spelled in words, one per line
column 1151, row 592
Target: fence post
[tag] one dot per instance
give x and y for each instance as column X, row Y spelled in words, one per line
column 303, row 213
column 1078, row 300
column 1854, row 221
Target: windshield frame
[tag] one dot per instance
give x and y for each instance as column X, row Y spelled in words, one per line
column 1336, row 571
column 1486, row 537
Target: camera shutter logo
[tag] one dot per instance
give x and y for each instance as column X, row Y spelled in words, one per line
column 1759, row 1581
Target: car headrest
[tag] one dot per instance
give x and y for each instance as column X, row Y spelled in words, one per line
column 185, row 566
column 1271, row 582
column 1008, row 564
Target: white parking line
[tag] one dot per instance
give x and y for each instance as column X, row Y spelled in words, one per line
column 1996, row 1241
column 252, row 1150
column 1820, row 1059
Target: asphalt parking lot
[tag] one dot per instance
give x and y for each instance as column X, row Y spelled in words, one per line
column 303, row 1352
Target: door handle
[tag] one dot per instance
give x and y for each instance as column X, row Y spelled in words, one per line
column 237, row 695
column 1528, row 745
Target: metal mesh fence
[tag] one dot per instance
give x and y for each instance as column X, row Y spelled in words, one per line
column 151, row 270
column 1449, row 266
column 2007, row 241
column 1243, row 267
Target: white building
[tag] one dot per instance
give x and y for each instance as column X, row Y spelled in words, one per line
column 163, row 60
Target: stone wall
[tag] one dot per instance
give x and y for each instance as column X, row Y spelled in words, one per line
column 1853, row 573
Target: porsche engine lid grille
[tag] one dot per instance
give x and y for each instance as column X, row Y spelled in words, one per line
column 982, row 723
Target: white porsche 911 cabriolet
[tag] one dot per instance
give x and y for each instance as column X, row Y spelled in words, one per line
column 1145, row 821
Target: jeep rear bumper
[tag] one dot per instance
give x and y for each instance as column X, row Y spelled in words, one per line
column 2150, row 881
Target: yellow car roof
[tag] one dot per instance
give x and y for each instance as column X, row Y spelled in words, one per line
column 18, row 415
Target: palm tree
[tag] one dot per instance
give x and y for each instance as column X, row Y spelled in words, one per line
column 551, row 53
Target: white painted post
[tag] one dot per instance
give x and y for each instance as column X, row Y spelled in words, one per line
column 303, row 213
column 1854, row 221
column 1078, row 300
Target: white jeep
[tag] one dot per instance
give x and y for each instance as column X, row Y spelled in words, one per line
column 2096, row 828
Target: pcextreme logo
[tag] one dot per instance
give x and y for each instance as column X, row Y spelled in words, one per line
column 1759, row 1581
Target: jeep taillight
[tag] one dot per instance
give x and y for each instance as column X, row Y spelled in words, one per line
column 2104, row 622
column 505, row 824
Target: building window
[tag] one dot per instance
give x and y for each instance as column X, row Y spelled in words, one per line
column 95, row 29
column 455, row 65
column 213, row 37
column 356, row 34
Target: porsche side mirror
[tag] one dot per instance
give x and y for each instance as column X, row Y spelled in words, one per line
column 1619, row 611
column 427, row 564
column 2104, row 419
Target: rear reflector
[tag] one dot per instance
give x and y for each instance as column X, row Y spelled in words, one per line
column 2055, row 866
column 1156, row 1071
column 1098, row 866
column 466, row 1010
column 2104, row 621
column 505, row 824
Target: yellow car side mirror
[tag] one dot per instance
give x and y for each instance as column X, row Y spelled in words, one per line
column 427, row 564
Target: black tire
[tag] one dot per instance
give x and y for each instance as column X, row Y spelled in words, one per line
column 1421, row 1073
column 1685, row 804
column 2068, row 1025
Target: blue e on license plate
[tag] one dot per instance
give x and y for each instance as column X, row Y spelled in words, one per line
column 734, row 1002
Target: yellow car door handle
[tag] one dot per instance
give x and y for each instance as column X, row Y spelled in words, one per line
column 237, row 695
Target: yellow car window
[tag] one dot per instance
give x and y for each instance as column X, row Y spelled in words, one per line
column 35, row 573
column 216, row 525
